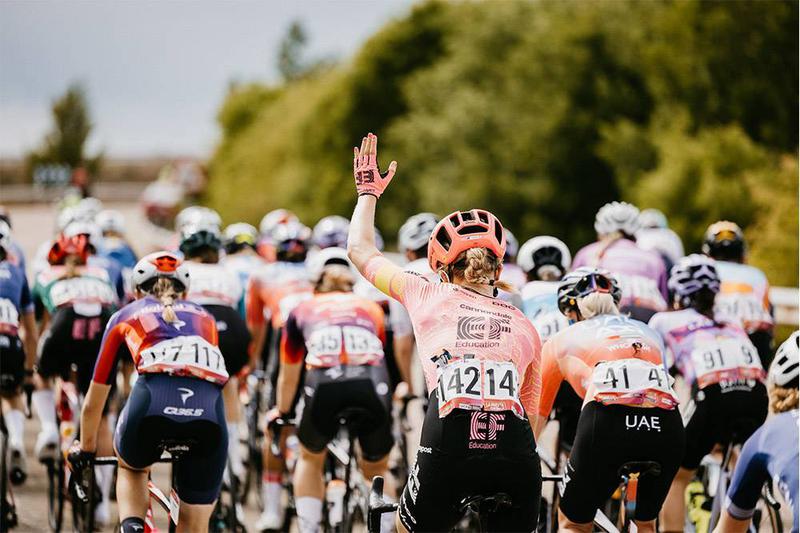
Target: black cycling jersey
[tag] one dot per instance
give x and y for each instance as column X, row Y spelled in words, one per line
column 234, row 337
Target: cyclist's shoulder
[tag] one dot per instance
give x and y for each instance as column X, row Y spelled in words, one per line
column 537, row 288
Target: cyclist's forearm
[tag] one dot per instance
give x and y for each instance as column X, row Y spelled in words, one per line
column 92, row 414
column 361, row 239
column 288, row 380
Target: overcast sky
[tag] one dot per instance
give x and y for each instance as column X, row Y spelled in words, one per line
column 156, row 71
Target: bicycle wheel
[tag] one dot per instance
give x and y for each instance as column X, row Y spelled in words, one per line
column 82, row 511
column 55, row 494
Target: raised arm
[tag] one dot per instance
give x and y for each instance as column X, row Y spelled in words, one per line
column 370, row 184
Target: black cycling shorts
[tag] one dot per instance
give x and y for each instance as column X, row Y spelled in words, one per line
column 234, row 337
column 179, row 409
column 472, row 453
column 567, row 408
column 362, row 390
column 72, row 339
column 12, row 364
column 642, row 314
column 610, row 436
column 717, row 415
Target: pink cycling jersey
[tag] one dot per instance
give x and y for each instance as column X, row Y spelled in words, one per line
column 453, row 323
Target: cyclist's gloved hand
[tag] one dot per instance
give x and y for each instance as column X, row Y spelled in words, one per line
column 79, row 459
column 369, row 179
column 275, row 418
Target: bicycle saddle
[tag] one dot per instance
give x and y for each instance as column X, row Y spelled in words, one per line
column 737, row 430
column 642, row 467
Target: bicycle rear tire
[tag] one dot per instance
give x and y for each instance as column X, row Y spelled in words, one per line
column 55, row 494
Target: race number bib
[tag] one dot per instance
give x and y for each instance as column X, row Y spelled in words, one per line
column 744, row 309
column 548, row 324
column 726, row 360
column 9, row 316
column 633, row 382
column 478, row 385
column 190, row 355
column 335, row 345
column 87, row 295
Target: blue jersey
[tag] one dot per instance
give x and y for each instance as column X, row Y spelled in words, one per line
column 770, row 453
column 15, row 297
column 540, row 305
column 120, row 251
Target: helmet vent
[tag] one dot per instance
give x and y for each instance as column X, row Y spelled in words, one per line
column 471, row 229
column 443, row 238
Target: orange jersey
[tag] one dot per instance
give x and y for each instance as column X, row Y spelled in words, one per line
column 274, row 290
column 334, row 329
column 608, row 358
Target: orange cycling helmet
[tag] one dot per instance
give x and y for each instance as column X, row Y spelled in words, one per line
column 462, row 230
column 64, row 246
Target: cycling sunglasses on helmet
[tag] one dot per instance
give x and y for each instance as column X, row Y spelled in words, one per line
column 592, row 283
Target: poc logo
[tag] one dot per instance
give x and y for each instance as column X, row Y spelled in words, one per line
column 182, row 411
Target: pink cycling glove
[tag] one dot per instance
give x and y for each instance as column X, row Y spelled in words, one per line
column 369, row 179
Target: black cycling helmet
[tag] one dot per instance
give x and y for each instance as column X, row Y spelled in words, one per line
column 196, row 238
column 724, row 241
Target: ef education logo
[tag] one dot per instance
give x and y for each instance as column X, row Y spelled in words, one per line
column 478, row 328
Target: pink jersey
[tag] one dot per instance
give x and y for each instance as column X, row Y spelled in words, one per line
column 479, row 352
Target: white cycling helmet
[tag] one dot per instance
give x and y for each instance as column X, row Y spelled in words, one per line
column 617, row 216
column 197, row 215
column 90, row 229
column 110, row 220
column 160, row 265
column 416, row 231
column 240, row 233
column 652, row 219
column 88, row 208
column 512, row 244
column 327, row 256
column 693, row 273
column 544, row 250
column 5, row 236
column 785, row 368
column 331, row 231
column 275, row 218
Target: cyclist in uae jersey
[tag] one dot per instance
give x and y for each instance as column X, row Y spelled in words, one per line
column 629, row 410
column 718, row 361
column 771, row 453
column 743, row 298
column 220, row 293
column 273, row 292
column 76, row 300
column 480, row 358
column 338, row 339
column 177, row 397
column 641, row 273
column 16, row 356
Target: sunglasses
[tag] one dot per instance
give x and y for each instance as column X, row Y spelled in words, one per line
column 592, row 283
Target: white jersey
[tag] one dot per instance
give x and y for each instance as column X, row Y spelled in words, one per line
column 213, row 284
column 663, row 241
column 540, row 305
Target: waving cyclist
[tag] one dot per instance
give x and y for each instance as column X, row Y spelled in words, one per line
column 771, row 453
column 641, row 273
column 629, row 407
column 720, row 364
column 339, row 337
column 744, row 290
column 177, row 397
column 16, row 356
column 219, row 292
column 480, row 358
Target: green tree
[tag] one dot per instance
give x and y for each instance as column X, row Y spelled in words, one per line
column 290, row 53
column 66, row 142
